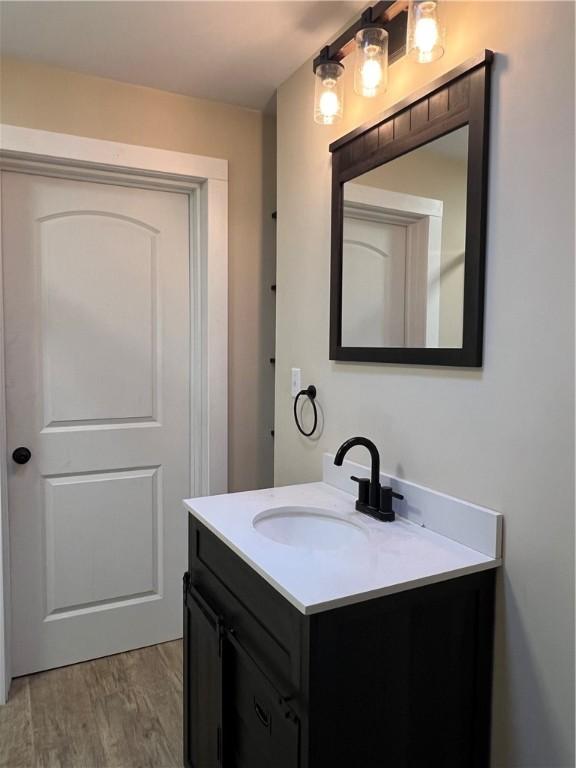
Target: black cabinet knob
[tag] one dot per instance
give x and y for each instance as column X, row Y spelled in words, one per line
column 21, row 455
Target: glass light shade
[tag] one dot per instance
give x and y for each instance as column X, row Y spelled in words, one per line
column 425, row 34
column 371, row 65
column 329, row 95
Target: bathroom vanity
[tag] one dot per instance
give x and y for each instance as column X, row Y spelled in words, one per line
column 317, row 637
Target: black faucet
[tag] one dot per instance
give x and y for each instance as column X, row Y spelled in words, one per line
column 373, row 499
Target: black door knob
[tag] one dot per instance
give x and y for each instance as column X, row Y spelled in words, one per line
column 21, row 455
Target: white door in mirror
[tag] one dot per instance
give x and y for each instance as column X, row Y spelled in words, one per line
column 373, row 282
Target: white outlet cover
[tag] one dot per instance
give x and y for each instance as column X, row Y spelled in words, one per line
column 295, row 381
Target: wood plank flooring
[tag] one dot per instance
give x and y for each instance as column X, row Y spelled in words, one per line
column 121, row 711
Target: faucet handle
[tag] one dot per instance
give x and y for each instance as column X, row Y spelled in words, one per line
column 386, row 495
column 363, row 488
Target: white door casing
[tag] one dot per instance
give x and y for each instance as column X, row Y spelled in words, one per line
column 204, row 183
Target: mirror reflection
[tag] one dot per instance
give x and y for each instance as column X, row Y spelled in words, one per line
column 404, row 228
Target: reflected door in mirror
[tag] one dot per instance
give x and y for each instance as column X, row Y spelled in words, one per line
column 374, row 269
column 404, row 230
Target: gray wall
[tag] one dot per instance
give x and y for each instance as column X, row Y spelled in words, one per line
column 503, row 436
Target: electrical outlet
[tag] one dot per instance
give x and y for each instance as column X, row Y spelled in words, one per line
column 295, row 379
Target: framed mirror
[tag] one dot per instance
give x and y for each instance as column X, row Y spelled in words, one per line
column 409, row 228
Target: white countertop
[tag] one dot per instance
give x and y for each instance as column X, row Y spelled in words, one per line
column 393, row 557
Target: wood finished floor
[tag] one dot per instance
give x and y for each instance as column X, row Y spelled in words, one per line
column 121, row 711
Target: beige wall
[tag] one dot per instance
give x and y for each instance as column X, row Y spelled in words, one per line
column 53, row 99
column 502, row 436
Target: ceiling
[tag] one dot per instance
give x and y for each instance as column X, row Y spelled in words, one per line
column 236, row 52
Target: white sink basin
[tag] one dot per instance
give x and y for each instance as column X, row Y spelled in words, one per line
column 308, row 528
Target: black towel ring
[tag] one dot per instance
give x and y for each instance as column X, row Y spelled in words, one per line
column 310, row 393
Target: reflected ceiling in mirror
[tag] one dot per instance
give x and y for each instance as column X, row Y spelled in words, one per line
column 403, row 254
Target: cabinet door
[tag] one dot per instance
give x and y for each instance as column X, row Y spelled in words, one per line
column 262, row 731
column 202, row 682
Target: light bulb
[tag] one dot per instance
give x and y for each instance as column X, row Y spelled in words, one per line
column 371, row 76
column 328, row 96
column 328, row 106
column 371, row 65
column 424, row 37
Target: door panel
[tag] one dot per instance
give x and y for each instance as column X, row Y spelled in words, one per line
column 97, row 367
column 373, row 283
column 91, row 522
column 233, row 715
column 260, row 730
column 202, row 682
column 91, row 372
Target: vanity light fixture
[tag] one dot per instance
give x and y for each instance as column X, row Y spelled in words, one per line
column 371, row 67
column 425, row 35
column 384, row 33
column 328, row 99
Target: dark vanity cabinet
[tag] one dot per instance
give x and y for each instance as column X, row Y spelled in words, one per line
column 402, row 680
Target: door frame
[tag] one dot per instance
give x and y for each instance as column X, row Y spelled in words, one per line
column 205, row 181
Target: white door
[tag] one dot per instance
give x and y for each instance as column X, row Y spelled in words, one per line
column 97, row 366
column 391, row 268
column 373, row 283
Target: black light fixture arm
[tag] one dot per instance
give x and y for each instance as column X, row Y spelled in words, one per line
column 391, row 15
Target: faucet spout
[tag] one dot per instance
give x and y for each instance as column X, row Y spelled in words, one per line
column 375, row 458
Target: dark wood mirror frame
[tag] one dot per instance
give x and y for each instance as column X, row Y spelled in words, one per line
column 459, row 98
